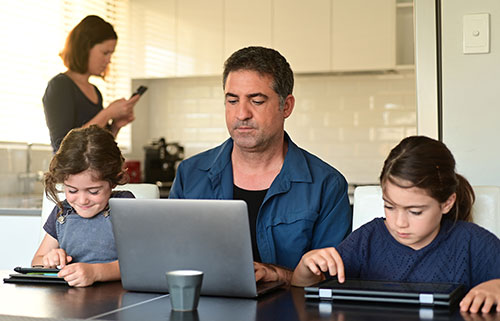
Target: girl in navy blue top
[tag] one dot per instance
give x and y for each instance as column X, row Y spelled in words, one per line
column 79, row 236
column 426, row 235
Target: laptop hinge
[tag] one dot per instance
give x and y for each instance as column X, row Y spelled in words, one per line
column 426, row 298
column 325, row 294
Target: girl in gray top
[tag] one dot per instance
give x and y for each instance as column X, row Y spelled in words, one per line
column 79, row 236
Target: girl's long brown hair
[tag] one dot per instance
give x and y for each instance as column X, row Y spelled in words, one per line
column 91, row 148
column 428, row 164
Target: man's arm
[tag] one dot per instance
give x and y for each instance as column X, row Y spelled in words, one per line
column 334, row 223
column 270, row 272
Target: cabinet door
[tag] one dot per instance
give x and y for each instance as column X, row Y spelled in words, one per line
column 199, row 37
column 301, row 33
column 363, row 35
column 246, row 23
column 153, row 38
column 19, row 239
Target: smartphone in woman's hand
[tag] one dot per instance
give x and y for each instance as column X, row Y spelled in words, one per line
column 140, row 90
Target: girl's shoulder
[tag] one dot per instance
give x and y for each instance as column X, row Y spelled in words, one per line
column 374, row 228
column 374, row 225
column 469, row 231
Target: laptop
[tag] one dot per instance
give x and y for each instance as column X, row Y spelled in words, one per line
column 425, row 294
column 154, row 236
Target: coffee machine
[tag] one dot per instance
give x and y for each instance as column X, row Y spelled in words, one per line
column 160, row 163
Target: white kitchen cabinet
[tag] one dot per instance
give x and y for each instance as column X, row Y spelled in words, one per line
column 301, row 32
column 200, row 33
column 246, row 23
column 363, row 35
column 19, row 239
column 153, row 37
column 405, row 40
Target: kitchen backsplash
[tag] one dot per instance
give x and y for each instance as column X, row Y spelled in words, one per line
column 19, row 177
column 350, row 121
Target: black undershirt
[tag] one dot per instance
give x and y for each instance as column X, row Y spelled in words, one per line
column 254, row 200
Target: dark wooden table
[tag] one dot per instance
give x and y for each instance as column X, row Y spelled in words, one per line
column 109, row 301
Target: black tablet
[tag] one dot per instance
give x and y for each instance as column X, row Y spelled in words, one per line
column 444, row 294
column 25, row 270
column 35, row 278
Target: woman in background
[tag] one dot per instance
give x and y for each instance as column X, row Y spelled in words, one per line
column 70, row 100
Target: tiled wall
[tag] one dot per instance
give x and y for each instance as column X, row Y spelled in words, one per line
column 350, row 121
column 13, row 168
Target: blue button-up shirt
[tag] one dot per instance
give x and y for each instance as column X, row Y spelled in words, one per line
column 305, row 208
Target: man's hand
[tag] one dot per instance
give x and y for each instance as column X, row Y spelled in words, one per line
column 268, row 273
column 485, row 294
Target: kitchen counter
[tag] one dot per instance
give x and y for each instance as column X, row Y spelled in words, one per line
column 21, row 204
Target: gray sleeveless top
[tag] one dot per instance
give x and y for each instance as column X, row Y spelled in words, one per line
column 88, row 240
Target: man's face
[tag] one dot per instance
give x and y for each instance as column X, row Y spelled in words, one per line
column 253, row 115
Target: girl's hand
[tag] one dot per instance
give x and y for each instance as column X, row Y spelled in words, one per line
column 79, row 274
column 56, row 257
column 316, row 262
column 485, row 294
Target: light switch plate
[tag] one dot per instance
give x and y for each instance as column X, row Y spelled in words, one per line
column 476, row 33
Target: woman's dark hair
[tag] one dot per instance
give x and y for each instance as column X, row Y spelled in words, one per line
column 91, row 31
column 265, row 61
column 428, row 164
column 91, row 148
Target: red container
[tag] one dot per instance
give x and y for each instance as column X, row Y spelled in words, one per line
column 134, row 171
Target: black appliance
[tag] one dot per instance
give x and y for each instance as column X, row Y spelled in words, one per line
column 160, row 162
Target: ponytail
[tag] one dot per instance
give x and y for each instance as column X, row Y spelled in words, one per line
column 462, row 209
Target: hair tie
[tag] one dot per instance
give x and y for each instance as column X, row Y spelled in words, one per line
column 439, row 177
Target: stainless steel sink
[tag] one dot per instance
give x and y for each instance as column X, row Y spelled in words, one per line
column 21, row 201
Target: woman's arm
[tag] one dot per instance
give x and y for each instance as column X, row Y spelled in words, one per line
column 120, row 112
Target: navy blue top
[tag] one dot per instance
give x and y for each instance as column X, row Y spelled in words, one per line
column 462, row 252
column 305, row 208
column 66, row 107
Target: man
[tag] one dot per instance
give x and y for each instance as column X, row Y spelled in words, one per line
column 296, row 202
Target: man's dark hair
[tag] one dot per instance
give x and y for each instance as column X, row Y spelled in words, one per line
column 265, row 61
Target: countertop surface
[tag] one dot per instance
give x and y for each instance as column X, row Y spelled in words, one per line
column 21, row 204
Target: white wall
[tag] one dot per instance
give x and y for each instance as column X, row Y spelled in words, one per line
column 350, row 121
column 471, row 94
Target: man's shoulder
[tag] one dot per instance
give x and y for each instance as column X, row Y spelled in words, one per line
column 205, row 159
column 317, row 165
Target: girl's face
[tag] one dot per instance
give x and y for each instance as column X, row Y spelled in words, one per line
column 100, row 57
column 412, row 216
column 85, row 194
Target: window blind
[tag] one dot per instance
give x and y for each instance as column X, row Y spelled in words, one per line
column 33, row 33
